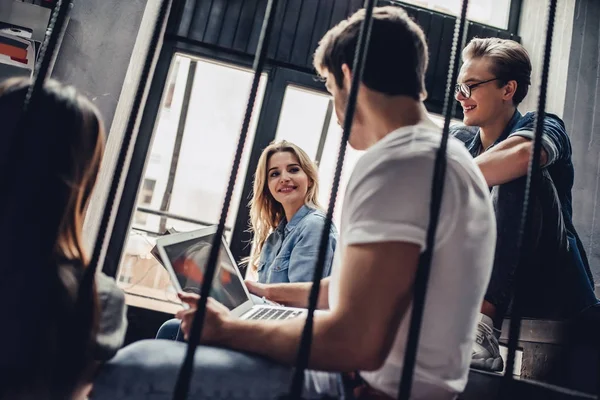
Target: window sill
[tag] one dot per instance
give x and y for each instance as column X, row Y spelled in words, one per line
column 146, row 298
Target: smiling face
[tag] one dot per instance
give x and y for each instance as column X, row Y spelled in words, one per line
column 486, row 100
column 287, row 181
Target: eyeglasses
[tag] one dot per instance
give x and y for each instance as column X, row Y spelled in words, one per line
column 465, row 88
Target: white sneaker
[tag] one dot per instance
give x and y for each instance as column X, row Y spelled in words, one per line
column 486, row 350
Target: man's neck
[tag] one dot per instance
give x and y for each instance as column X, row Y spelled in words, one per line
column 492, row 130
column 386, row 114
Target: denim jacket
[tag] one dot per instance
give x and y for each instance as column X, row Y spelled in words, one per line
column 290, row 252
column 555, row 142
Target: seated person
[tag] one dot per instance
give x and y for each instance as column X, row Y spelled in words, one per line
column 493, row 80
column 53, row 338
column 287, row 221
column 383, row 231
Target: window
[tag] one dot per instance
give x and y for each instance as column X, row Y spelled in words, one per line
column 188, row 169
column 171, row 88
column 146, row 194
column 304, row 121
column 490, row 12
column 302, row 116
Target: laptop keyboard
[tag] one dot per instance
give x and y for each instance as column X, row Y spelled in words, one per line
column 274, row 313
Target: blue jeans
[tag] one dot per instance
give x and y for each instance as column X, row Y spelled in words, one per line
column 148, row 370
column 555, row 276
column 171, row 330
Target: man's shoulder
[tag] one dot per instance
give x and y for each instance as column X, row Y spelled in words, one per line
column 527, row 121
column 398, row 163
column 406, row 150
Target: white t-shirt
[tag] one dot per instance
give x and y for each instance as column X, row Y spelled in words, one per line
column 387, row 199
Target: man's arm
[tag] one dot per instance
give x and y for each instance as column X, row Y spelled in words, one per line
column 508, row 160
column 291, row 294
column 358, row 334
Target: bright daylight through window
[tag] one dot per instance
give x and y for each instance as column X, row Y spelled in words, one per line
column 488, row 12
column 188, row 193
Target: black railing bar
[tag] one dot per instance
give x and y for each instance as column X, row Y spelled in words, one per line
column 185, row 374
column 437, row 189
column 177, row 217
column 531, row 187
column 358, row 66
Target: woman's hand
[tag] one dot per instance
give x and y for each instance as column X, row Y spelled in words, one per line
column 256, row 288
column 214, row 320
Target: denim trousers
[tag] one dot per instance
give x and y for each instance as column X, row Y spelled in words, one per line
column 171, row 330
column 556, row 282
column 148, row 370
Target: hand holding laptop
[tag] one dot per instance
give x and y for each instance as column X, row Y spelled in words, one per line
column 185, row 255
column 260, row 291
column 256, row 288
column 216, row 316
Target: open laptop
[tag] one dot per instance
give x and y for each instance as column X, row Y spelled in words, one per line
column 185, row 255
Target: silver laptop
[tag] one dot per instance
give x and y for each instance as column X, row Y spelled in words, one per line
column 185, row 256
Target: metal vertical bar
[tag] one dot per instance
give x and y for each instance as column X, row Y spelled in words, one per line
column 358, row 66
column 514, row 16
column 166, row 200
column 185, row 374
column 437, row 189
column 531, row 186
column 49, row 48
column 324, row 131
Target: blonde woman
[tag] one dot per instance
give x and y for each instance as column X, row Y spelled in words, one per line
column 287, row 220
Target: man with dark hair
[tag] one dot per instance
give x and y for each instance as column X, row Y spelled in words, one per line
column 366, row 303
column 493, row 80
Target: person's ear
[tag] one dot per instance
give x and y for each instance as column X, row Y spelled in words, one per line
column 509, row 90
column 347, row 76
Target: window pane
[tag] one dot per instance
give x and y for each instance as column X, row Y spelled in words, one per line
column 301, row 119
column 327, row 168
column 200, row 170
column 489, row 12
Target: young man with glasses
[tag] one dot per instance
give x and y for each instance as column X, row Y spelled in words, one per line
column 493, row 80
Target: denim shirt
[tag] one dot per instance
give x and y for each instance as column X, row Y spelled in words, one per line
column 291, row 250
column 555, row 142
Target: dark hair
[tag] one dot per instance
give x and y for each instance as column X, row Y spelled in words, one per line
column 49, row 165
column 510, row 61
column 397, row 57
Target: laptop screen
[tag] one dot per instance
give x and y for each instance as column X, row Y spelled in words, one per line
column 189, row 259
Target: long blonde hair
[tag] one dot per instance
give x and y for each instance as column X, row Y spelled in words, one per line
column 265, row 212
